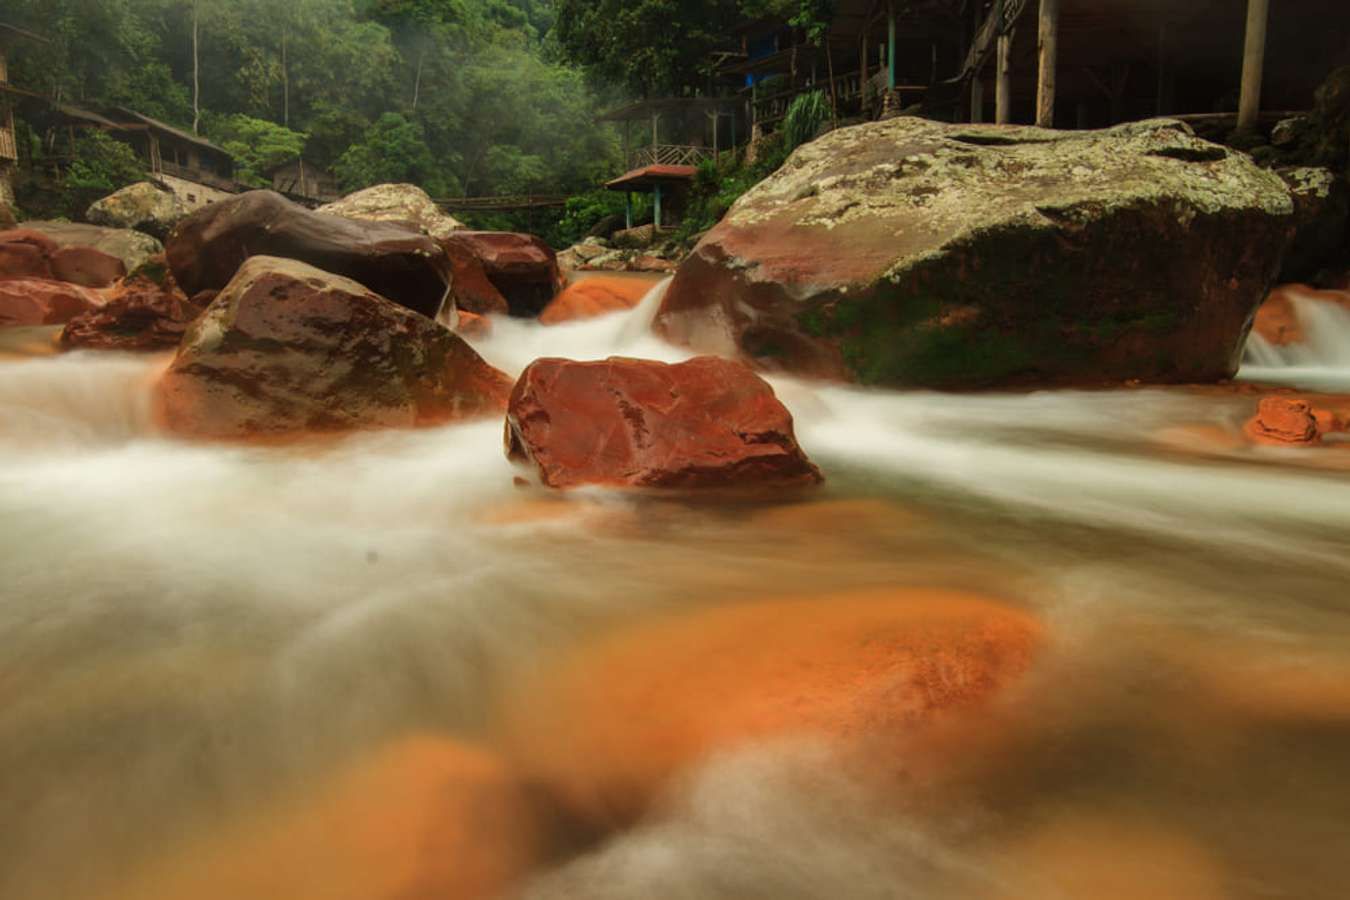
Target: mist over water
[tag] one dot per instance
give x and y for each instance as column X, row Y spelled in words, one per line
column 196, row 641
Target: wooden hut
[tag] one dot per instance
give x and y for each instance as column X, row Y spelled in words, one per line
column 304, row 182
column 9, row 94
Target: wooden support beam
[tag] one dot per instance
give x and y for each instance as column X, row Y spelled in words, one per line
column 977, row 98
column 1003, row 80
column 1049, row 58
column 656, row 202
column 1253, row 64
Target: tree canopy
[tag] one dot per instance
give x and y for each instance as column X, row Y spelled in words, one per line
column 456, row 95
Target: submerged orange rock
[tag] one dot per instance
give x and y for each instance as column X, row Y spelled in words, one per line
column 424, row 817
column 608, row 726
column 595, row 296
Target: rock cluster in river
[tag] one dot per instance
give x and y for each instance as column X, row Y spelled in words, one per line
column 209, row 246
column 508, row 272
column 141, row 315
column 286, row 348
column 911, row 252
column 707, row 422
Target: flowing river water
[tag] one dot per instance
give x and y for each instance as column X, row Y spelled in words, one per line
column 267, row 672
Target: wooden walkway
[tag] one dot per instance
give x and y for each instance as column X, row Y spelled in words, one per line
column 501, row 204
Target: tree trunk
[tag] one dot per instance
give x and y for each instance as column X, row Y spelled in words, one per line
column 285, row 85
column 417, row 82
column 196, row 74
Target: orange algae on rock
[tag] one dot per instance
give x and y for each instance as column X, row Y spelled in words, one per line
column 609, row 726
column 422, row 817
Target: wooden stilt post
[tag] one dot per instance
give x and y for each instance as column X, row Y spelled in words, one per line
column 628, row 209
column 977, row 98
column 890, row 46
column 1049, row 56
column 656, row 208
column 1253, row 64
column 1003, row 86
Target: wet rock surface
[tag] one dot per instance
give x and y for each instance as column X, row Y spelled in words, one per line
column 141, row 316
column 398, row 203
column 208, row 247
column 288, row 349
column 133, row 248
column 42, row 301
column 28, row 253
column 522, row 268
column 910, row 252
column 704, row 423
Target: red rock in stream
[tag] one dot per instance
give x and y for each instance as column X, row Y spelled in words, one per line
column 288, row 349
column 595, row 296
column 707, row 422
column 1283, row 420
column 143, row 316
column 522, row 268
column 42, row 301
column 607, row 726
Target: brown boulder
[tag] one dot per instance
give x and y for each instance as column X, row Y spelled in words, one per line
column 131, row 247
column 520, row 266
column 208, row 247
column 1283, row 420
column 910, row 252
column 470, row 287
column 142, row 316
column 607, row 727
column 707, row 422
column 42, row 301
column 287, row 349
column 25, row 253
column 594, row 296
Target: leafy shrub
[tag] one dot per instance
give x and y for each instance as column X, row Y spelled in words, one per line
column 103, row 163
column 805, row 115
column 256, row 145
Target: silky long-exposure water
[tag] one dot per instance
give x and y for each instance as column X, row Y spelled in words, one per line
column 305, row 671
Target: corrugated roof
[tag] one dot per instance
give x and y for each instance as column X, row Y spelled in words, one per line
column 169, row 129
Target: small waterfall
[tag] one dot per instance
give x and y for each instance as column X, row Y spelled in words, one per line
column 1321, row 361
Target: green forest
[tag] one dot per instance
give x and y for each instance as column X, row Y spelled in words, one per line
column 462, row 97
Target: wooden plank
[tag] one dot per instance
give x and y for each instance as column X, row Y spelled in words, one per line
column 1003, row 79
column 1253, row 63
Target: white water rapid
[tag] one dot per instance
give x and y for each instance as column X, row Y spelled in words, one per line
column 197, row 642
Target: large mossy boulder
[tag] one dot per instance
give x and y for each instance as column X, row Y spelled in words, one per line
column 143, row 206
column 286, row 349
column 209, row 246
column 911, row 252
column 401, row 203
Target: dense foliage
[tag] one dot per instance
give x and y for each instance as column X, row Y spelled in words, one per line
column 655, row 47
column 456, row 95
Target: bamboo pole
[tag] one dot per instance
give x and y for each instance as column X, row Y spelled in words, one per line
column 1253, row 63
column 890, row 47
column 1049, row 56
column 1003, row 86
column 977, row 98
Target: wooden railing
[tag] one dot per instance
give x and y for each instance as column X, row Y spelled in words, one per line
column 501, row 203
column 200, row 176
column 848, row 91
column 669, row 155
